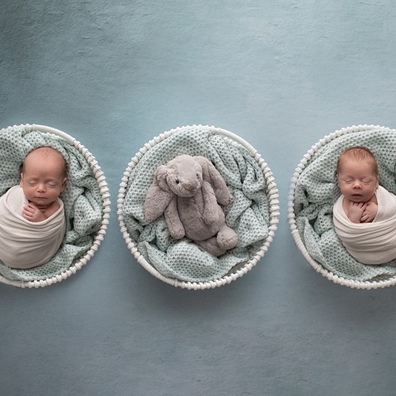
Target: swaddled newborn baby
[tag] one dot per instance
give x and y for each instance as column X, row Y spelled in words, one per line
column 365, row 214
column 32, row 219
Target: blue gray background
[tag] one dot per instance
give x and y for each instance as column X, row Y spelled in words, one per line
column 114, row 74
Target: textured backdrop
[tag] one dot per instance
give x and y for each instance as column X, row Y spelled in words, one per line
column 114, row 74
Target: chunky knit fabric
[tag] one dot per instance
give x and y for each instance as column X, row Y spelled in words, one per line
column 81, row 198
column 248, row 212
column 316, row 192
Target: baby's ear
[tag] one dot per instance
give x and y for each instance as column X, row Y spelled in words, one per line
column 64, row 183
column 21, row 182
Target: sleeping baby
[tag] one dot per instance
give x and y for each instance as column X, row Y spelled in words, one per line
column 365, row 214
column 32, row 219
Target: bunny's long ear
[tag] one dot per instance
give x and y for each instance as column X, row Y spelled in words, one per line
column 158, row 195
column 212, row 175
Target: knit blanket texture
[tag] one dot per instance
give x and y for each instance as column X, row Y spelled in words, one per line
column 248, row 212
column 81, row 198
column 316, row 191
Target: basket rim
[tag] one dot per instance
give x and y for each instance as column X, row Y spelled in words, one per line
column 355, row 284
column 105, row 194
column 274, row 208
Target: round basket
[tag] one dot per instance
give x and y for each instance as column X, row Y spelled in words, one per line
column 313, row 192
column 16, row 142
column 192, row 140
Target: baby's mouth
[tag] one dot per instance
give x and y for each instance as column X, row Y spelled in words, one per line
column 356, row 197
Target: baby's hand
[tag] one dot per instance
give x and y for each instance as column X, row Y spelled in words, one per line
column 33, row 213
column 356, row 210
column 369, row 213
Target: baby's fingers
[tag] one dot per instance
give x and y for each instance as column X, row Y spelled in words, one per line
column 364, row 218
column 28, row 209
column 26, row 214
column 359, row 205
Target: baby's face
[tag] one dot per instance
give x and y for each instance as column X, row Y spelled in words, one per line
column 357, row 180
column 43, row 178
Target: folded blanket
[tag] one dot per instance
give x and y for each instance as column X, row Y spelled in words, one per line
column 23, row 243
column 369, row 243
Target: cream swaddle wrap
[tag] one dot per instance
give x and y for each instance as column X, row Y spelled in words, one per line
column 369, row 243
column 23, row 243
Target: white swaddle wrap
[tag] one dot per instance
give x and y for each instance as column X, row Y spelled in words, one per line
column 369, row 243
column 23, row 243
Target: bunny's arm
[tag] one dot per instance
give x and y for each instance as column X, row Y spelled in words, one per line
column 173, row 221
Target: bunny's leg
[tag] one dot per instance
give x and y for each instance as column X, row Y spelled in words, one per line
column 227, row 238
column 211, row 246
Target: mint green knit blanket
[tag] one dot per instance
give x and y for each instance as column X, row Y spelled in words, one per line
column 316, row 192
column 247, row 214
column 81, row 198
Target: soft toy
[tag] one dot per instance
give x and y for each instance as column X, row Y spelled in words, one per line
column 188, row 190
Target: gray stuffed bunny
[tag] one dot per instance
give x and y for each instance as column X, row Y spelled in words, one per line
column 188, row 190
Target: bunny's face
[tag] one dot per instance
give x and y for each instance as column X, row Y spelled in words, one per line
column 184, row 176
